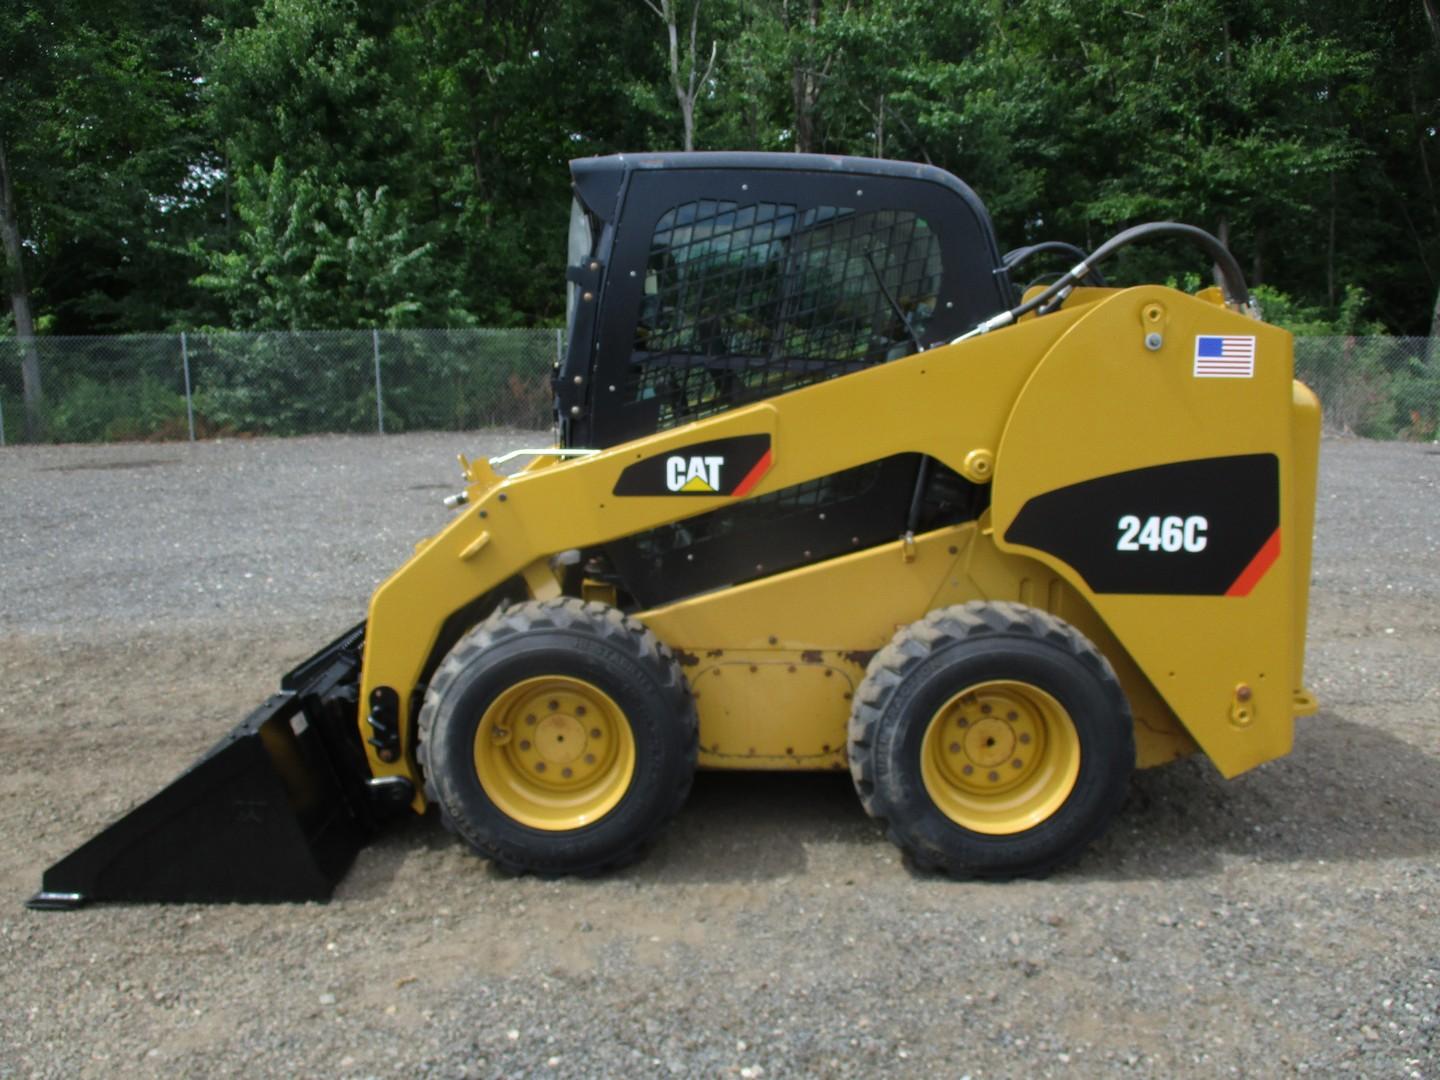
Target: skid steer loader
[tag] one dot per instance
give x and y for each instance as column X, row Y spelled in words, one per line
column 827, row 491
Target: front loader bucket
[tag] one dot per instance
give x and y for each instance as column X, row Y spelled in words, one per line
column 275, row 811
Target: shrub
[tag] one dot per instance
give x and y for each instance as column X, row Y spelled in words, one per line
column 92, row 411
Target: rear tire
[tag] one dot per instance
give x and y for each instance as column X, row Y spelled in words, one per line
column 558, row 737
column 992, row 739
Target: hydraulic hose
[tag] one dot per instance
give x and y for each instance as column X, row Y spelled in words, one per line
column 1014, row 258
column 1232, row 280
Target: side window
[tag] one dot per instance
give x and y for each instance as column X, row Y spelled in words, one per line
column 742, row 301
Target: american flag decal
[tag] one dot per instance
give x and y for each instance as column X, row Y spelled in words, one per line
column 1224, row 356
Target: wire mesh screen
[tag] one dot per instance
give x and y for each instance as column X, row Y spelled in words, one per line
column 745, row 301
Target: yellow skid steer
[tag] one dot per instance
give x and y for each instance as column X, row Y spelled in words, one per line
column 828, row 490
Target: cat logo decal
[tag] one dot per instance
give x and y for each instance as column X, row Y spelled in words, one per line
column 720, row 467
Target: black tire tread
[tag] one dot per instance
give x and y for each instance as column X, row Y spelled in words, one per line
column 579, row 616
column 912, row 645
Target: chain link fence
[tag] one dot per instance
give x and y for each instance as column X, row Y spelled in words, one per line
column 1374, row 387
column 201, row 385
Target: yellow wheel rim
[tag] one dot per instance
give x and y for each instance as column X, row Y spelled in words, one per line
column 554, row 753
column 1000, row 757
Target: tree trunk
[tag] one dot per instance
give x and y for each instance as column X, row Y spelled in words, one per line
column 20, row 305
column 1432, row 346
column 1330, row 249
column 687, row 119
column 805, row 87
column 804, row 120
column 1222, row 233
column 688, row 89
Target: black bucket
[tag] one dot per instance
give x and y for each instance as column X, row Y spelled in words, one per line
column 276, row 811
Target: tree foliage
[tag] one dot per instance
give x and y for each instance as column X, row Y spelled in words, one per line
column 301, row 164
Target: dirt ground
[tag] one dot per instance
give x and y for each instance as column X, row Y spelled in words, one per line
column 150, row 596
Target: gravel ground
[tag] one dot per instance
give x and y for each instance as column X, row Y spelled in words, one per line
column 1282, row 923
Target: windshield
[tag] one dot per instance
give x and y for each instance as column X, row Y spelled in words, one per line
column 582, row 244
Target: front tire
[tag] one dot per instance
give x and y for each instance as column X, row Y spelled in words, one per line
column 993, row 740
column 558, row 737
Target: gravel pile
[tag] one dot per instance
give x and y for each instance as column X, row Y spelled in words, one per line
column 1284, row 923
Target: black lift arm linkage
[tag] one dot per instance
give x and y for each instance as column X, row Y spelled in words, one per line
column 275, row 811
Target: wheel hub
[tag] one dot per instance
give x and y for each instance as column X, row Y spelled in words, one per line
column 559, row 739
column 989, row 743
column 1000, row 757
column 554, row 753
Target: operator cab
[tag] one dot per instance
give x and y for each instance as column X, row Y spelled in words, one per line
column 703, row 281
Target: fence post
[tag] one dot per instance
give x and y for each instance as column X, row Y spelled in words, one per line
column 379, row 400
column 2, row 422
column 559, row 347
column 189, row 400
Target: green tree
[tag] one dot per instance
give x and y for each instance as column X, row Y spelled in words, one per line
column 103, row 170
column 131, row 135
column 310, row 256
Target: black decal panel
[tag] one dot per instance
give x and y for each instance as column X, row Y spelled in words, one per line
column 715, row 467
column 805, row 523
column 1190, row 528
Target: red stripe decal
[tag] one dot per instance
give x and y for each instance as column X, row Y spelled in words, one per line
column 753, row 476
column 1263, row 560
